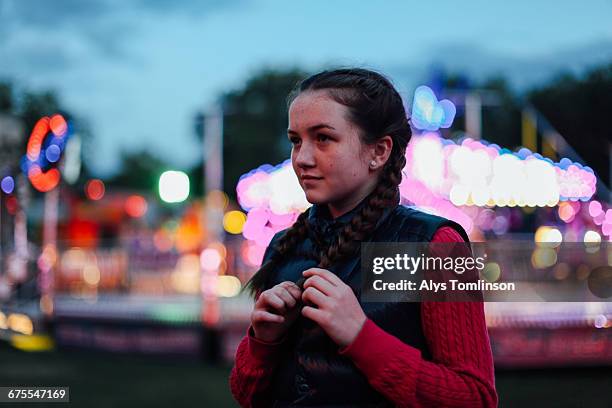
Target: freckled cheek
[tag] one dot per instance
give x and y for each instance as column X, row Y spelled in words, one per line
column 327, row 165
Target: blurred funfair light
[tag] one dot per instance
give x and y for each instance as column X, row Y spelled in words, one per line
column 95, row 189
column 601, row 216
column 45, row 146
column 273, row 187
column 457, row 180
column 273, row 199
column 476, row 173
column 135, row 206
column 7, row 184
column 173, row 186
column 430, row 114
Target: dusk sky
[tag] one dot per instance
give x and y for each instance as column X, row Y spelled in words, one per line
column 137, row 71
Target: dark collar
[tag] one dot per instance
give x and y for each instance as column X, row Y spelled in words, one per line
column 319, row 216
column 324, row 227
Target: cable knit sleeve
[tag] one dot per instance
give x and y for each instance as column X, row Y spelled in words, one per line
column 460, row 373
column 253, row 369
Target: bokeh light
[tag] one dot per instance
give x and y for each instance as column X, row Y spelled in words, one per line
column 12, row 205
column 595, row 208
column 233, row 221
column 7, row 184
column 601, row 321
column 592, row 237
column 548, row 236
column 46, row 304
column 228, row 286
column 491, row 272
column 91, row 274
column 42, row 178
column 474, row 172
column 43, row 181
column 561, row 271
column 135, row 206
column 162, row 239
column 185, row 277
column 430, row 114
column 173, row 186
column 566, row 212
column 210, row 259
column 543, row 258
column 41, row 128
column 94, row 189
column 47, row 258
column 52, row 153
column 220, row 248
column 20, row 323
column 58, row 125
column 189, row 233
column 251, row 253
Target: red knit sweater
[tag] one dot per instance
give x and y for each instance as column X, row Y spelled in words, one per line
column 459, row 375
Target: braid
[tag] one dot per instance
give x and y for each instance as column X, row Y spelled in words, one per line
column 287, row 243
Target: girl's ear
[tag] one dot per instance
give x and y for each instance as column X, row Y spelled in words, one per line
column 381, row 150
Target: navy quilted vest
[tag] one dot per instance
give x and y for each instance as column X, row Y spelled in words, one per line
column 312, row 373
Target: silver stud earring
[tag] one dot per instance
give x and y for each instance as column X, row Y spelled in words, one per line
column 373, row 164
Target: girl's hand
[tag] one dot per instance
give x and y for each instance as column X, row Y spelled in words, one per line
column 275, row 310
column 337, row 310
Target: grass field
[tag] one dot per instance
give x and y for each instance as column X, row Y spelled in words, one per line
column 108, row 380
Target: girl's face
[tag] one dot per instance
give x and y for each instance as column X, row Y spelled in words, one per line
column 333, row 166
